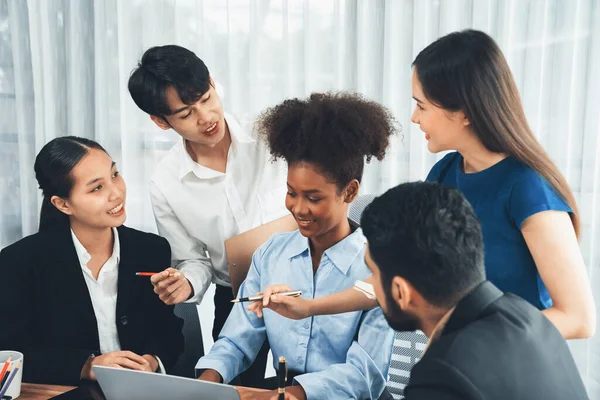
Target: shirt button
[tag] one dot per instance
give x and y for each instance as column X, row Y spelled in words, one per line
column 306, row 325
column 124, row 320
column 300, row 360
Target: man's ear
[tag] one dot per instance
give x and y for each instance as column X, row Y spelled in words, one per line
column 160, row 122
column 351, row 191
column 402, row 292
column 61, row 204
column 212, row 83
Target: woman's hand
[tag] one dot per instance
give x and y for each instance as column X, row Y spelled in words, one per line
column 116, row 359
column 152, row 362
column 210, row 375
column 288, row 306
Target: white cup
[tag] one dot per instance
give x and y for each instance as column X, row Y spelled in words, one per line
column 14, row 390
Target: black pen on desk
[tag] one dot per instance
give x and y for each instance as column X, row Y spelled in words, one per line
column 281, row 378
column 294, row 293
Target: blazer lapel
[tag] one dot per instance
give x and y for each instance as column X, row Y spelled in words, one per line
column 69, row 277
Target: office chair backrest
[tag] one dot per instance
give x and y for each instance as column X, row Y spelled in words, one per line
column 357, row 207
column 192, row 334
column 408, row 346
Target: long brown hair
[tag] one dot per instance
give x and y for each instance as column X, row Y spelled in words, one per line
column 467, row 71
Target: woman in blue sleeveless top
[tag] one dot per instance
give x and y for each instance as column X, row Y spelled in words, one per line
column 467, row 100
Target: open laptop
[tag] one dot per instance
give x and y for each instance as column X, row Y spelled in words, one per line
column 126, row 384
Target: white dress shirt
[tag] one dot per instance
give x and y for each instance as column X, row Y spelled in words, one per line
column 103, row 293
column 197, row 208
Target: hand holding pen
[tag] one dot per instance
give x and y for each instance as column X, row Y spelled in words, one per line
column 288, row 306
column 171, row 285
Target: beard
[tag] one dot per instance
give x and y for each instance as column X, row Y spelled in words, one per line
column 400, row 321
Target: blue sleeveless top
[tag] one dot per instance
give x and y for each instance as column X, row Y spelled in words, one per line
column 503, row 197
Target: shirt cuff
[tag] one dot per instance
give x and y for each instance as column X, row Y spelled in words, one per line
column 313, row 385
column 161, row 368
column 217, row 365
column 199, row 282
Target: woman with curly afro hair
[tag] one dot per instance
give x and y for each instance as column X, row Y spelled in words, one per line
column 325, row 141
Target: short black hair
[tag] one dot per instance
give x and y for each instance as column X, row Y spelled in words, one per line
column 429, row 235
column 164, row 66
column 333, row 131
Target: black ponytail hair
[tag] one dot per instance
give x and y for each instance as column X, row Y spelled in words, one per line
column 53, row 166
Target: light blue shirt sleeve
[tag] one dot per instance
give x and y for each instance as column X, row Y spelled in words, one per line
column 364, row 374
column 242, row 335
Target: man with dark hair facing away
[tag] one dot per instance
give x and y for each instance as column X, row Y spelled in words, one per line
column 425, row 251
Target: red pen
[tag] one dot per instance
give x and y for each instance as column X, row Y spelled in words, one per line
column 150, row 274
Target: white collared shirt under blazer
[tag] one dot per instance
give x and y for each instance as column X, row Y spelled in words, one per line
column 103, row 292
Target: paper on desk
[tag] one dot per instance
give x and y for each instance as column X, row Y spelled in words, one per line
column 366, row 289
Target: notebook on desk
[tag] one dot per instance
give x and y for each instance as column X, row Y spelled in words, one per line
column 126, row 384
column 239, row 249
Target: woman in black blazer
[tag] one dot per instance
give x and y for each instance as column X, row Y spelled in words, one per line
column 69, row 297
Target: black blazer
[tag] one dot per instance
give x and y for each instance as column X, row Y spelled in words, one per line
column 46, row 311
column 496, row 346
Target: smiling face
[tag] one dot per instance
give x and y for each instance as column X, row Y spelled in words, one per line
column 444, row 129
column 202, row 122
column 97, row 199
column 315, row 203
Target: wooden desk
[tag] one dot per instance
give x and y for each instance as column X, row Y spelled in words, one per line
column 31, row 391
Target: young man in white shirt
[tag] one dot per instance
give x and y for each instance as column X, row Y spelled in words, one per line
column 215, row 183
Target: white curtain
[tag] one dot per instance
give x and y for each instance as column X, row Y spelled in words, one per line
column 64, row 66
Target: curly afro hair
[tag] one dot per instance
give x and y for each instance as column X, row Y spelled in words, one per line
column 336, row 132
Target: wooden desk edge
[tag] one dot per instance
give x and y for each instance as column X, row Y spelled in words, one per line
column 34, row 391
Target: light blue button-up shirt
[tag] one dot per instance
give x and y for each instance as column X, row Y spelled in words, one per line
column 340, row 356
